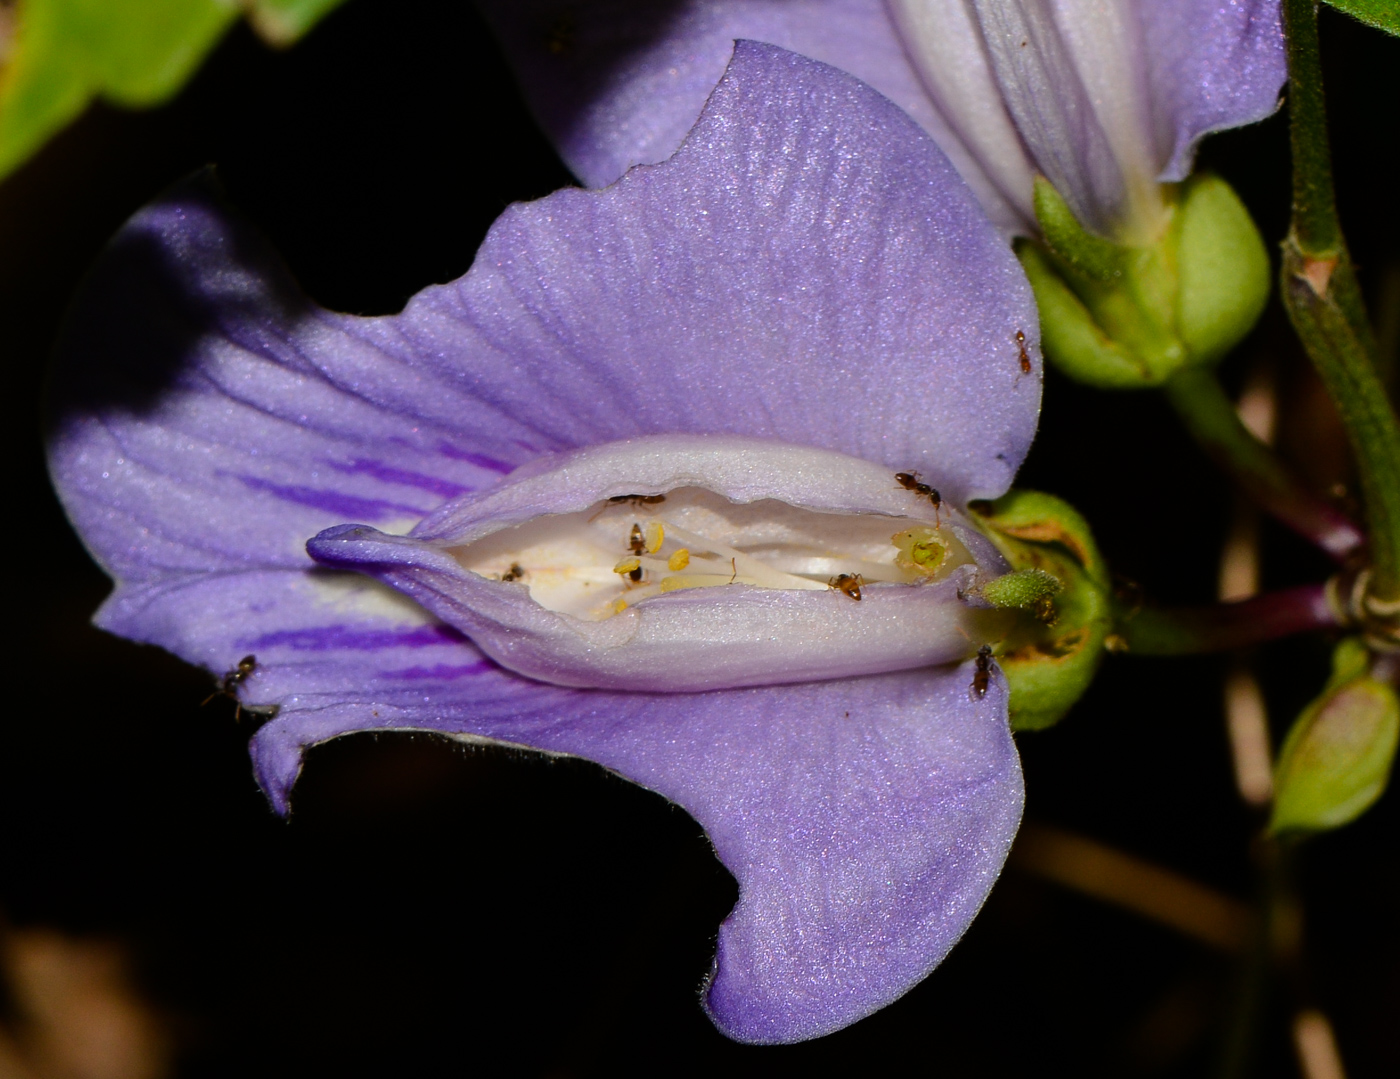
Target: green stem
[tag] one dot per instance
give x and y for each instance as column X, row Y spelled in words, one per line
column 1184, row 631
column 1314, row 205
column 1212, row 421
column 1324, row 303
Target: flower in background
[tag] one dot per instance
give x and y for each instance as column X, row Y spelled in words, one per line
column 608, row 494
column 1105, row 98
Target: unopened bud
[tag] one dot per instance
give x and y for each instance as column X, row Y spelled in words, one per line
column 1336, row 760
column 1125, row 317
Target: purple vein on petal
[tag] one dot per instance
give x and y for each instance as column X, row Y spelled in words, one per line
column 440, row 672
column 362, row 466
column 478, row 459
column 337, row 502
column 328, row 638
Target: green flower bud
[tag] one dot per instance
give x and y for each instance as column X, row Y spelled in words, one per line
column 1336, row 760
column 1127, row 317
column 1061, row 579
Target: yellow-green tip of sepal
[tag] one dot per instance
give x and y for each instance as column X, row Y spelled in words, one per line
column 1060, row 578
column 1117, row 316
column 1337, row 758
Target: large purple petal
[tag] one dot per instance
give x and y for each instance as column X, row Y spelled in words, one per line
column 808, row 269
column 866, row 820
column 207, row 418
column 1213, row 64
column 617, row 83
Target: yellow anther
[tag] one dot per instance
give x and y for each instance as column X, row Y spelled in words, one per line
column 628, row 565
column 679, row 560
column 619, row 605
column 655, row 535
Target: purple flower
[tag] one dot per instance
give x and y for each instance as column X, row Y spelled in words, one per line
column 1106, row 98
column 763, row 330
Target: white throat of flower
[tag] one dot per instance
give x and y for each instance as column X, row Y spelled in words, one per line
column 597, row 563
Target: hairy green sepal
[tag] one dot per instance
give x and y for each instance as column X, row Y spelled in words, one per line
column 1026, row 590
column 1060, row 578
column 1124, row 317
column 1337, row 758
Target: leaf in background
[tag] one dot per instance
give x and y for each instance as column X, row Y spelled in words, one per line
column 58, row 55
column 1382, row 14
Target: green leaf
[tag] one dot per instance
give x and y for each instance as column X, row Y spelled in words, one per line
column 1337, row 758
column 1382, row 14
column 1050, row 660
column 133, row 53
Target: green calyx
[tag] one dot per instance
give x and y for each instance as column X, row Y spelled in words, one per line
column 1127, row 317
column 1061, row 580
column 1337, row 758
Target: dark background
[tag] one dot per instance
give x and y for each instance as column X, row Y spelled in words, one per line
column 432, row 909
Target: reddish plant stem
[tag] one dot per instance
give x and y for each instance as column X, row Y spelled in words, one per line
column 1181, row 631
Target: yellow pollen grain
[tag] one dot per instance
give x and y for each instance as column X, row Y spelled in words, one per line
column 627, row 565
column 679, row 560
column 655, row 536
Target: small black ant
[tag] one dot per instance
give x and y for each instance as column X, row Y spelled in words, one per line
column 637, row 541
column 229, row 684
column 910, row 482
column 637, row 500
column 515, row 572
column 1025, row 356
column 847, row 583
column 982, row 675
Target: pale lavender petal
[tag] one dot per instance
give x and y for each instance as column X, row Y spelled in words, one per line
column 740, row 469
column 704, row 638
column 617, row 83
column 943, row 39
column 1044, row 91
column 1213, row 64
column 696, row 639
column 866, row 819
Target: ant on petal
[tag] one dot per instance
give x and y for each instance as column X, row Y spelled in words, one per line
column 910, row 482
column 231, row 681
column 982, row 675
column 848, row 584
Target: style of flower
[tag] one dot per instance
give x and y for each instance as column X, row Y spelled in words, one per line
column 626, row 490
column 1106, row 98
